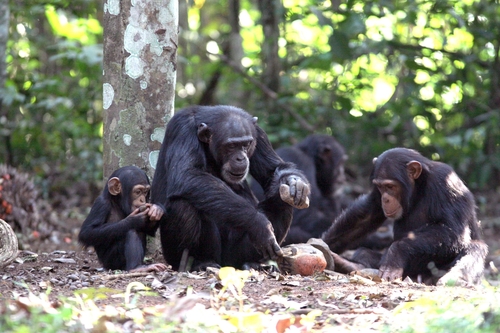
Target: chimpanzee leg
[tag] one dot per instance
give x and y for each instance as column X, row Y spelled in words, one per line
column 183, row 229
column 468, row 268
column 367, row 257
column 279, row 213
column 134, row 250
column 112, row 255
column 237, row 250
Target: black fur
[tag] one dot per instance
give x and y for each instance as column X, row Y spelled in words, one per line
column 437, row 231
column 218, row 222
column 321, row 158
column 118, row 239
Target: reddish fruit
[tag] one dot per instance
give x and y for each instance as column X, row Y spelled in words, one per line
column 301, row 259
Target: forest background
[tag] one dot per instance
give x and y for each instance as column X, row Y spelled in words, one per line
column 374, row 74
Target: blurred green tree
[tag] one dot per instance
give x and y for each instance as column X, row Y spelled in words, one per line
column 375, row 74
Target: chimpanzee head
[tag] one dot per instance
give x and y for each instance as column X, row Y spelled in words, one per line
column 394, row 174
column 231, row 142
column 129, row 186
column 329, row 159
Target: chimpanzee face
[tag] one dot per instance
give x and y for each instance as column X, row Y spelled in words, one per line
column 130, row 187
column 395, row 181
column 231, row 144
column 390, row 190
column 235, row 154
column 139, row 196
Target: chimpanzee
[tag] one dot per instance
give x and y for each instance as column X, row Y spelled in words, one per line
column 436, row 231
column 119, row 221
column 322, row 159
column 211, row 213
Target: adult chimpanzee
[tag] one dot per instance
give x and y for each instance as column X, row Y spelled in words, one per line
column 119, row 221
column 200, row 178
column 321, row 158
column 436, row 231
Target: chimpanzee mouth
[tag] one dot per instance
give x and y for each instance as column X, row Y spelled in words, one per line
column 392, row 215
column 234, row 177
column 238, row 175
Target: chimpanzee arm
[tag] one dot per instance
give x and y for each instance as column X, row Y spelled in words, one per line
column 216, row 201
column 364, row 216
column 411, row 255
column 97, row 230
column 271, row 172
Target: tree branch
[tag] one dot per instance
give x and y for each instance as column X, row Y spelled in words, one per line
column 268, row 92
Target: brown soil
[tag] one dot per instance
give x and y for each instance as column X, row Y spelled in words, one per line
column 59, row 266
column 350, row 300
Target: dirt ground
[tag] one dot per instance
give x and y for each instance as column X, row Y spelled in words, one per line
column 346, row 300
column 59, row 266
column 351, row 301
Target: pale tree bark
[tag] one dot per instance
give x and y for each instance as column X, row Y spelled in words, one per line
column 140, row 56
column 8, row 244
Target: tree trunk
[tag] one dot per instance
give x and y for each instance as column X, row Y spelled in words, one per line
column 270, row 18
column 8, row 244
column 4, row 36
column 140, row 55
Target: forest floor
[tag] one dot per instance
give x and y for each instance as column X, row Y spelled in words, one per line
column 59, row 267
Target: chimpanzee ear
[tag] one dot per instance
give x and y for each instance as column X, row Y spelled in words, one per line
column 114, row 186
column 414, row 169
column 254, row 120
column 374, row 160
column 325, row 148
column 204, row 134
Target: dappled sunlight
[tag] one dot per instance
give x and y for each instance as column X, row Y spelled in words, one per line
column 83, row 30
column 455, row 185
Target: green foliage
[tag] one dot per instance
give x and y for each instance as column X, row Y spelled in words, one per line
column 375, row 74
column 52, row 118
column 445, row 314
column 438, row 311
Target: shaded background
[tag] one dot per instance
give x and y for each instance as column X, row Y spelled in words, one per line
column 374, row 74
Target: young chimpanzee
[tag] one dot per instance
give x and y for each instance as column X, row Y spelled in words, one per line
column 322, row 159
column 119, row 221
column 200, row 178
column 436, row 231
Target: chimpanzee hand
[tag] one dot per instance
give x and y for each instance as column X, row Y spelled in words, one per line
column 390, row 273
column 266, row 243
column 154, row 212
column 295, row 191
column 392, row 263
column 139, row 217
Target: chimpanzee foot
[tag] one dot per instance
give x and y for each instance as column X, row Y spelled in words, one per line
column 342, row 265
column 149, row 268
column 202, row 266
